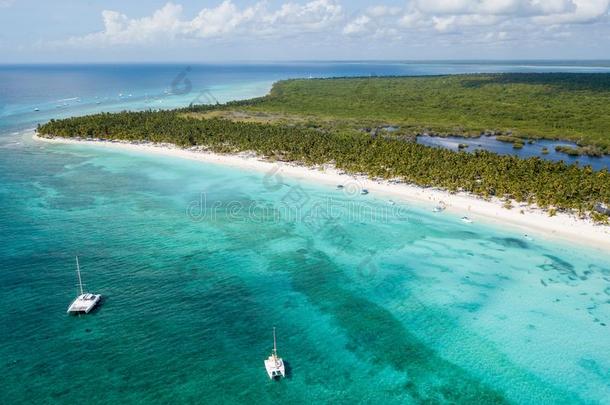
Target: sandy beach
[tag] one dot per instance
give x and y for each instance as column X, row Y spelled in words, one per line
column 526, row 219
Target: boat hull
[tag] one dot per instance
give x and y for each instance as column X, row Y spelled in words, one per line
column 275, row 368
column 84, row 303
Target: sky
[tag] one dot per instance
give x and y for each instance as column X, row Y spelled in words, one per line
column 80, row 31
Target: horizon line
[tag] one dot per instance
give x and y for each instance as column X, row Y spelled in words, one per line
column 280, row 61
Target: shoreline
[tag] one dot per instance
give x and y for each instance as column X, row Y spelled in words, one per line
column 563, row 226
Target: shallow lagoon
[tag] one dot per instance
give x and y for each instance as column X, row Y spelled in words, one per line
column 489, row 143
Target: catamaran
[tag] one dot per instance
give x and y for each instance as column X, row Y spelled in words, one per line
column 274, row 364
column 85, row 302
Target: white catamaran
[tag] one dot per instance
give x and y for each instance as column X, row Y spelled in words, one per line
column 85, row 302
column 275, row 364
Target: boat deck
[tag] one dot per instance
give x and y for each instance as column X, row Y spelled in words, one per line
column 84, row 303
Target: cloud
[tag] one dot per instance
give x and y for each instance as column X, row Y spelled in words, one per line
column 223, row 20
column 382, row 11
column 454, row 16
column 515, row 8
column 312, row 16
column 445, row 13
column 358, row 26
column 453, row 22
column 584, row 11
column 473, row 19
column 119, row 29
column 218, row 21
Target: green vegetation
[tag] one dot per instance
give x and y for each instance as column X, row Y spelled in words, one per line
column 567, row 106
column 517, row 142
column 568, row 150
column 549, row 184
column 509, row 139
column 591, row 151
column 580, row 150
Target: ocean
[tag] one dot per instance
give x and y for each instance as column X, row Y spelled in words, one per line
column 373, row 302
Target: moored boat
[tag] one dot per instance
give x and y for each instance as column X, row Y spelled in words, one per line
column 85, row 302
column 274, row 364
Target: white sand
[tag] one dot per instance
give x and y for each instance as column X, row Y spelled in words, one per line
column 532, row 221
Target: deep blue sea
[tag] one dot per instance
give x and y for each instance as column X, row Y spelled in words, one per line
column 373, row 303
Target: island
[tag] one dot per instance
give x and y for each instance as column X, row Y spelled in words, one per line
column 368, row 126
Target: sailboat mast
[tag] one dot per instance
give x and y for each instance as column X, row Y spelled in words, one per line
column 80, row 282
column 274, row 346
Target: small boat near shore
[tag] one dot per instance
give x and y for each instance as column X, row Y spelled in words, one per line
column 466, row 220
column 274, row 364
column 85, row 302
column 440, row 207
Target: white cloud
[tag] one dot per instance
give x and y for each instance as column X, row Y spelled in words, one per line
column 454, row 16
column 315, row 15
column 515, row 8
column 382, row 11
column 223, row 20
column 489, row 19
column 358, row 26
column 119, row 29
column 413, row 18
column 455, row 22
column 543, row 12
column 378, row 21
column 584, row 11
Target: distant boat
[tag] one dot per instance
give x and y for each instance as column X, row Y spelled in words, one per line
column 85, row 302
column 391, row 202
column 467, row 220
column 37, row 109
column 274, row 364
column 364, row 191
column 340, row 187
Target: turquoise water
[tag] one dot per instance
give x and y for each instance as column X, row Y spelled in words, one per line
column 373, row 303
